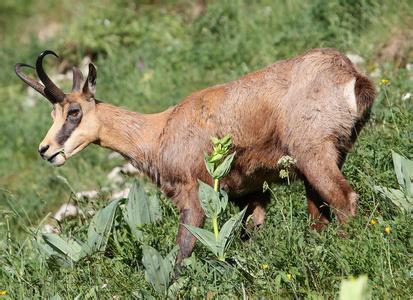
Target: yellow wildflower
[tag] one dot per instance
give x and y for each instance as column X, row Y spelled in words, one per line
column 3, row 293
column 289, row 276
column 264, row 266
column 384, row 81
column 387, row 229
column 373, row 222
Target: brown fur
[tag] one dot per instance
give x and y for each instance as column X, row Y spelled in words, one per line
column 301, row 107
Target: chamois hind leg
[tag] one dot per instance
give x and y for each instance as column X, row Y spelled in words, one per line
column 317, row 208
column 323, row 174
column 256, row 202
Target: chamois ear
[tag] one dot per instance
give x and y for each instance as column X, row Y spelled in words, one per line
column 89, row 87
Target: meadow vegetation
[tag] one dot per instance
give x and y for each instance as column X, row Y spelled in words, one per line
column 151, row 54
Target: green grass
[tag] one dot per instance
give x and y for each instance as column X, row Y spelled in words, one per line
column 183, row 53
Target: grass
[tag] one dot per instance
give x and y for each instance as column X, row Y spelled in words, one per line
column 182, row 52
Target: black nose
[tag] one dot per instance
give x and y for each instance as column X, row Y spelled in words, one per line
column 43, row 149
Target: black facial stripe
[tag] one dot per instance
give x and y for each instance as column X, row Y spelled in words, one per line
column 68, row 127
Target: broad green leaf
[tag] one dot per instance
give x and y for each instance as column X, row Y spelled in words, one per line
column 397, row 197
column 157, row 270
column 54, row 256
column 397, row 163
column 403, row 168
column 355, row 289
column 407, row 170
column 100, row 227
column 155, row 208
column 223, row 169
column 226, row 235
column 169, row 261
column 204, row 236
column 69, row 248
column 209, row 199
column 223, row 200
column 141, row 209
column 44, row 247
column 209, row 166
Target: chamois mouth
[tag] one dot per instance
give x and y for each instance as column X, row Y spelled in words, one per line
column 51, row 158
column 57, row 159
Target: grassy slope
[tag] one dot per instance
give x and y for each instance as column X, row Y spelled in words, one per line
column 182, row 54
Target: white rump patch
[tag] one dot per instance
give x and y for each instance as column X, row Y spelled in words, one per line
column 349, row 94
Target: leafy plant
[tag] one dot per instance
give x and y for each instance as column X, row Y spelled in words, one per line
column 218, row 244
column 100, row 227
column 97, row 237
column 218, row 163
column 159, row 271
column 402, row 197
column 214, row 201
column 140, row 209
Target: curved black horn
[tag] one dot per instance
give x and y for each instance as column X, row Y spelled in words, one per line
column 29, row 81
column 77, row 79
column 51, row 90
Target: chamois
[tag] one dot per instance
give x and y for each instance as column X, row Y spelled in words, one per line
column 310, row 107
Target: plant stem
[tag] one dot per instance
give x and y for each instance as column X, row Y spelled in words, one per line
column 215, row 225
column 216, row 184
column 215, row 218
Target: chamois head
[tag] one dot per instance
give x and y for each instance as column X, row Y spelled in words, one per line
column 75, row 124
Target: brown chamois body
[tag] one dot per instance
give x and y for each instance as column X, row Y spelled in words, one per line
column 310, row 107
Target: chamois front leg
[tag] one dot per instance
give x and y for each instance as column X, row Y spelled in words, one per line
column 191, row 213
column 325, row 181
column 318, row 210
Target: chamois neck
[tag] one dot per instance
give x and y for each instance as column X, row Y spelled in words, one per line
column 132, row 134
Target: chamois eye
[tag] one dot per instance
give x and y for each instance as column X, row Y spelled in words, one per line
column 73, row 113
